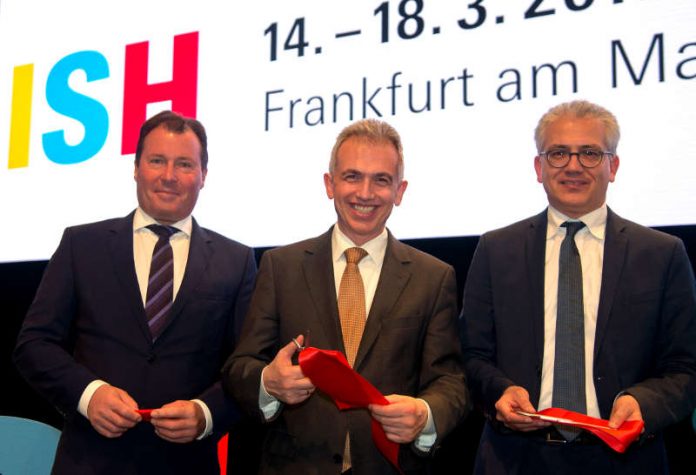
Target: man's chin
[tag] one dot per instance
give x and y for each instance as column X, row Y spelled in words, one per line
column 167, row 217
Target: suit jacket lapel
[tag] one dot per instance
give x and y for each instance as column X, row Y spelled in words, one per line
column 196, row 264
column 317, row 269
column 121, row 252
column 536, row 258
column 615, row 245
column 393, row 278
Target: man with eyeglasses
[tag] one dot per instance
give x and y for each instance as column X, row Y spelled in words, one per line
column 601, row 322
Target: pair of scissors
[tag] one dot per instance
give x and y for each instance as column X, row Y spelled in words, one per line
column 306, row 341
column 300, row 347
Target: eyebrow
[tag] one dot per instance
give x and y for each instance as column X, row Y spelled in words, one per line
column 353, row 171
column 178, row 157
column 581, row 147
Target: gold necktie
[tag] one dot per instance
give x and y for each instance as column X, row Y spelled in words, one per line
column 351, row 303
column 351, row 310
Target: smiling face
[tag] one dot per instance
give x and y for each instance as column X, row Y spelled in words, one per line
column 575, row 190
column 365, row 187
column 169, row 175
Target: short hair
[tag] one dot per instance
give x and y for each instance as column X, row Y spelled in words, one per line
column 177, row 123
column 579, row 109
column 374, row 131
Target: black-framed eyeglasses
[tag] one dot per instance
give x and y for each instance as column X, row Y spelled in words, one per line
column 588, row 158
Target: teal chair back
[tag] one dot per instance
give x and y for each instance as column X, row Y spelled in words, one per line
column 26, row 447
column 693, row 420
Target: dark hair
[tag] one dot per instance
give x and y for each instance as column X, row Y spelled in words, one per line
column 177, row 123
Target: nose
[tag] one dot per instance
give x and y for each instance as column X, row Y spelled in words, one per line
column 169, row 172
column 574, row 163
column 365, row 191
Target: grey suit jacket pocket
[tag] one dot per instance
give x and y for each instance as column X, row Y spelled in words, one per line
column 401, row 323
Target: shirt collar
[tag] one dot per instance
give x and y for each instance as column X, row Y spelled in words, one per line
column 596, row 222
column 376, row 247
column 141, row 220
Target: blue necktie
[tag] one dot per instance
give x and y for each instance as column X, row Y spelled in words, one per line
column 569, row 361
column 160, row 285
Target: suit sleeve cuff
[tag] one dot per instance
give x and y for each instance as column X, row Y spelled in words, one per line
column 87, row 394
column 426, row 439
column 208, row 419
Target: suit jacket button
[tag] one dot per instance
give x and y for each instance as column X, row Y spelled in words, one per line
column 151, row 357
column 337, row 458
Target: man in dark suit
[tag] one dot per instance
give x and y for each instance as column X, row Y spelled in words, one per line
column 93, row 347
column 409, row 346
column 636, row 332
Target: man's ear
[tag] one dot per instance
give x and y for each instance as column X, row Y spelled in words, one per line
column 329, row 185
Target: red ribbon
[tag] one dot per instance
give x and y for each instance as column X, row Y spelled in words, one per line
column 331, row 373
column 618, row 439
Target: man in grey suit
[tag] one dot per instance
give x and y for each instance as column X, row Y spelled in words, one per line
column 409, row 347
column 634, row 343
column 100, row 344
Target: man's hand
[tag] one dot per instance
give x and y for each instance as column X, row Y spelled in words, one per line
column 625, row 408
column 516, row 398
column 111, row 411
column 179, row 421
column 285, row 381
column 403, row 419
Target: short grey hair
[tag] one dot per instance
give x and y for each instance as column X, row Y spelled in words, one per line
column 374, row 131
column 579, row 109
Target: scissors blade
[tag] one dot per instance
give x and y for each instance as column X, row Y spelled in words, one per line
column 297, row 344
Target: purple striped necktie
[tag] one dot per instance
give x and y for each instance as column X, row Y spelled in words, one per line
column 160, row 285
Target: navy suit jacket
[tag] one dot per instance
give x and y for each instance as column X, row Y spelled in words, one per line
column 409, row 347
column 645, row 341
column 87, row 322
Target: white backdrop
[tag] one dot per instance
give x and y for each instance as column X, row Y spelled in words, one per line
column 469, row 150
